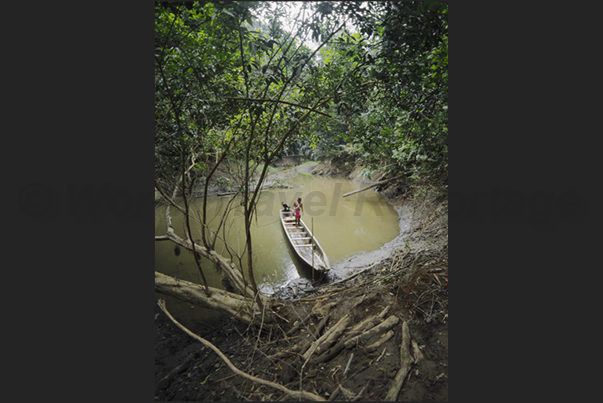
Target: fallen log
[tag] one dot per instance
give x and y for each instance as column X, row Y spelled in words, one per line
column 337, row 329
column 316, row 335
column 305, row 347
column 219, row 300
column 372, row 186
column 321, row 325
column 365, row 329
column 405, row 363
column 380, row 328
column 333, row 351
column 364, row 325
column 330, row 353
column 384, row 312
column 376, row 345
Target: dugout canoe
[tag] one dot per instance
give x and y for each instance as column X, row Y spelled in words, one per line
column 305, row 246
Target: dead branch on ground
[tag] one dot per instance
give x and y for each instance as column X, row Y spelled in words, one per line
column 405, row 363
column 294, row 394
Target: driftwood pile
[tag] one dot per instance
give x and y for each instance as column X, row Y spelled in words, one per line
column 325, row 343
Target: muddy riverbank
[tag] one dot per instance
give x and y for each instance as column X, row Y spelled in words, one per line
column 405, row 282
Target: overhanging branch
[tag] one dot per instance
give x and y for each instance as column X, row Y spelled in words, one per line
column 279, row 101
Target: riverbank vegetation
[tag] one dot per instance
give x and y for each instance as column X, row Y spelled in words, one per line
column 369, row 80
column 240, row 85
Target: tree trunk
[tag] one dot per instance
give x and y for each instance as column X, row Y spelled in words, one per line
column 222, row 301
column 232, row 272
column 372, row 186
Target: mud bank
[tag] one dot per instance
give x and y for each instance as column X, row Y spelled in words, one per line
column 299, row 287
column 404, row 283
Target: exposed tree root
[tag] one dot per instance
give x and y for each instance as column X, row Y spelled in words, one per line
column 335, row 332
column 361, row 332
column 294, row 394
column 347, row 330
column 380, row 328
column 405, row 363
column 384, row 337
column 337, row 329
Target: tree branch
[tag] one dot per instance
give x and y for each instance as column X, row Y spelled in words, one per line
column 279, row 101
column 373, row 185
column 294, row 394
column 219, row 300
column 234, row 275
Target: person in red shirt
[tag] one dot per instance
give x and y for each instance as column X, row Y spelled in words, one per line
column 298, row 207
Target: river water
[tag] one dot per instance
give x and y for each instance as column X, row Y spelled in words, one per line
column 357, row 225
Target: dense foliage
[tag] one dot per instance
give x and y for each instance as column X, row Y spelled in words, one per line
column 233, row 81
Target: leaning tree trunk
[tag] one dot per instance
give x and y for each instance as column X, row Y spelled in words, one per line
column 245, row 305
column 233, row 274
column 228, row 303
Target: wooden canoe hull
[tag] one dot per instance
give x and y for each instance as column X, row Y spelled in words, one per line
column 305, row 246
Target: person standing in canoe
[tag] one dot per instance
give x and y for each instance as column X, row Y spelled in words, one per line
column 298, row 207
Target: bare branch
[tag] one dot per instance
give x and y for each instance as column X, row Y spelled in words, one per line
column 294, row 394
column 279, row 101
column 168, row 198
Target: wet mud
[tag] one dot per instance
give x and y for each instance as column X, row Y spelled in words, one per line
column 405, row 282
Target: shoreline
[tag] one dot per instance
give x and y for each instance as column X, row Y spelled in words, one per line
column 298, row 288
column 407, row 279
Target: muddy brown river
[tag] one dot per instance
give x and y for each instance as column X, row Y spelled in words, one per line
column 352, row 231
